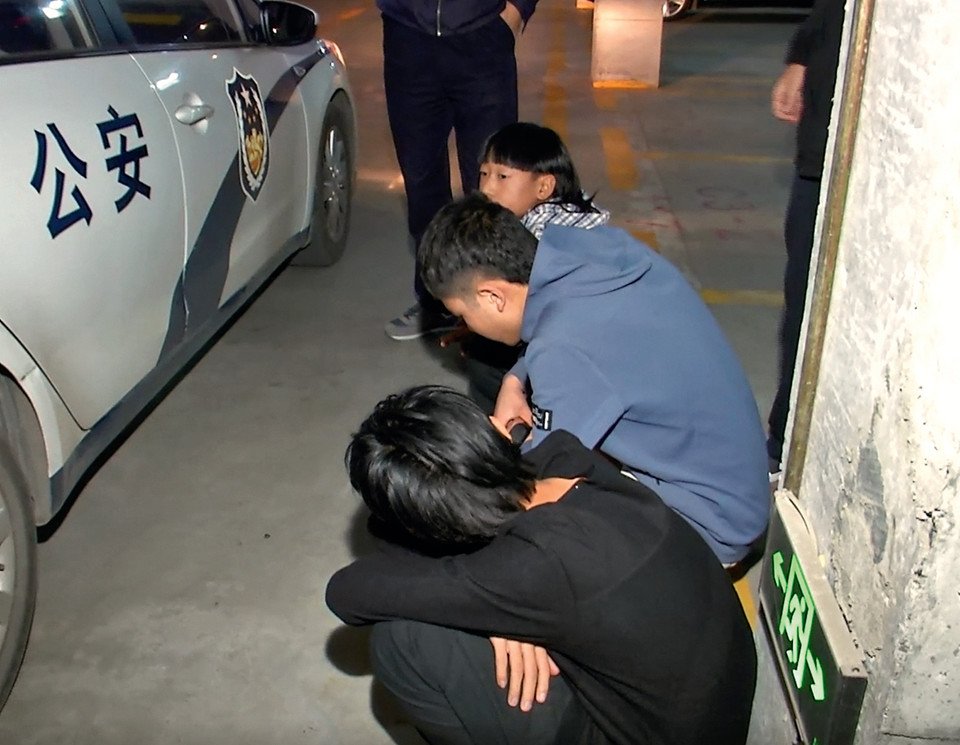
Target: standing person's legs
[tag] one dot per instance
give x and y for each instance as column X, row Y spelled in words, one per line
column 421, row 119
column 484, row 100
column 798, row 236
column 483, row 94
column 444, row 679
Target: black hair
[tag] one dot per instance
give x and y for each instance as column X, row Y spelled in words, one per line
column 536, row 149
column 429, row 462
column 471, row 238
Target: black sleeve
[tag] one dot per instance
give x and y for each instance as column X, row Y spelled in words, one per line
column 526, row 8
column 807, row 33
column 510, row 588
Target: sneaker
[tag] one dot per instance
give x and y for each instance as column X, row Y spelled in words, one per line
column 773, row 471
column 416, row 322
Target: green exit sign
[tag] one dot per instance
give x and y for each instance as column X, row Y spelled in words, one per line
column 822, row 670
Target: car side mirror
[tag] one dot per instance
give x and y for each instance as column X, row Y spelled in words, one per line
column 287, row 23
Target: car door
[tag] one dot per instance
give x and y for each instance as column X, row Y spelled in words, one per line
column 91, row 202
column 239, row 124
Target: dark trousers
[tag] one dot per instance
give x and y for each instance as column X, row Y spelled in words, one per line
column 465, row 83
column 444, row 680
column 485, row 363
column 798, row 237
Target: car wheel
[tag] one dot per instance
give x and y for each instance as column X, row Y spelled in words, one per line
column 673, row 9
column 18, row 570
column 333, row 195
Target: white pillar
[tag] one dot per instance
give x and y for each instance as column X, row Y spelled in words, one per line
column 627, row 39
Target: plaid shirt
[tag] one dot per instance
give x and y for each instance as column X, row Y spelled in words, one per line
column 559, row 213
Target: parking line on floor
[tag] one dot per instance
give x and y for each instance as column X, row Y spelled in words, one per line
column 766, row 81
column 717, row 95
column 745, row 593
column 647, row 236
column 763, row 298
column 348, row 15
column 624, row 85
column 620, row 159
column 555, row 109
column 605, row 99
column 713, row 157
column 554, row 94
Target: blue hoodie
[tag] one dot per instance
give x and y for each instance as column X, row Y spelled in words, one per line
column 624, row 354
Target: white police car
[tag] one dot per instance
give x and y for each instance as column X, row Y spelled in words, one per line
column 160, row 160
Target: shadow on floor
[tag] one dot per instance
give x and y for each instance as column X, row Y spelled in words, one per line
column 348, row 651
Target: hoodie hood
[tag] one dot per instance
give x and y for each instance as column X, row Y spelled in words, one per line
column 577, row 262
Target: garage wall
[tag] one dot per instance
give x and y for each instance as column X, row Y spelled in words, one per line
column 880, row 480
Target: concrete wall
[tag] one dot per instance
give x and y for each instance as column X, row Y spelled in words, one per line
column 880, row 480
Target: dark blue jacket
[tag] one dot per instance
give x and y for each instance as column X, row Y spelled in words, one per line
column 448, row 17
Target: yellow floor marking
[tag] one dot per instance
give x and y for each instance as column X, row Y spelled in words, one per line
column 605, row 99
column 717, row 95
column 629, row 85
column 350, row 14
column 715, row 157
column 719, row 88
column 554, row 94
column 739, row 80
column 555, row 109
column 745, row 593
column 620, row 158
column 647, row 236
column 765, row 298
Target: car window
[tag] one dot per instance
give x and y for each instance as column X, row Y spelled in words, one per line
column 32, row 27
column 250, row 10
column 182, row 22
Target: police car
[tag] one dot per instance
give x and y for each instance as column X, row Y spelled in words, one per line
column 161, row 159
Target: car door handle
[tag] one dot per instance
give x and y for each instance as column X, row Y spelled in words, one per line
column 193, row 113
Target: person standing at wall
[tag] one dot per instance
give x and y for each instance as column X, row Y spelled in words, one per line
column 447, row 66
column 802, row 95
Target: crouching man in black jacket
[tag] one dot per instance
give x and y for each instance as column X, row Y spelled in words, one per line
column 555, row 549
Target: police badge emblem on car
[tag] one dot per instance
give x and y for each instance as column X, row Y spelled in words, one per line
column 254, row 138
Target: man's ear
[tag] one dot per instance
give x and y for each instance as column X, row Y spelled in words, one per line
column 546, row 185
column 493, row 292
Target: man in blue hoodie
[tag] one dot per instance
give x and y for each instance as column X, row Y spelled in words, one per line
column 621, row 352
column 447, row 66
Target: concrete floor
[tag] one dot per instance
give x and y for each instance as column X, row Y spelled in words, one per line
column 181, row 600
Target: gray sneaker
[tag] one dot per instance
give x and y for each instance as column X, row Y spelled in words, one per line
column 416, row 322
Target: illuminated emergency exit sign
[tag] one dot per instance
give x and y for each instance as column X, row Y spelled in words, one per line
column 822, row 670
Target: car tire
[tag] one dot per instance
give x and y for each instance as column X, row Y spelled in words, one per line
column 674, row 9
column 333, row 194
column 18, row 570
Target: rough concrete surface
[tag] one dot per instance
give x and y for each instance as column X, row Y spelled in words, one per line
column 181, row 598
column 880, row 479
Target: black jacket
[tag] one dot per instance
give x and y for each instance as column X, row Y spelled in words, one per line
column 448, row 17
column 816, row 45
column 635, row 609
